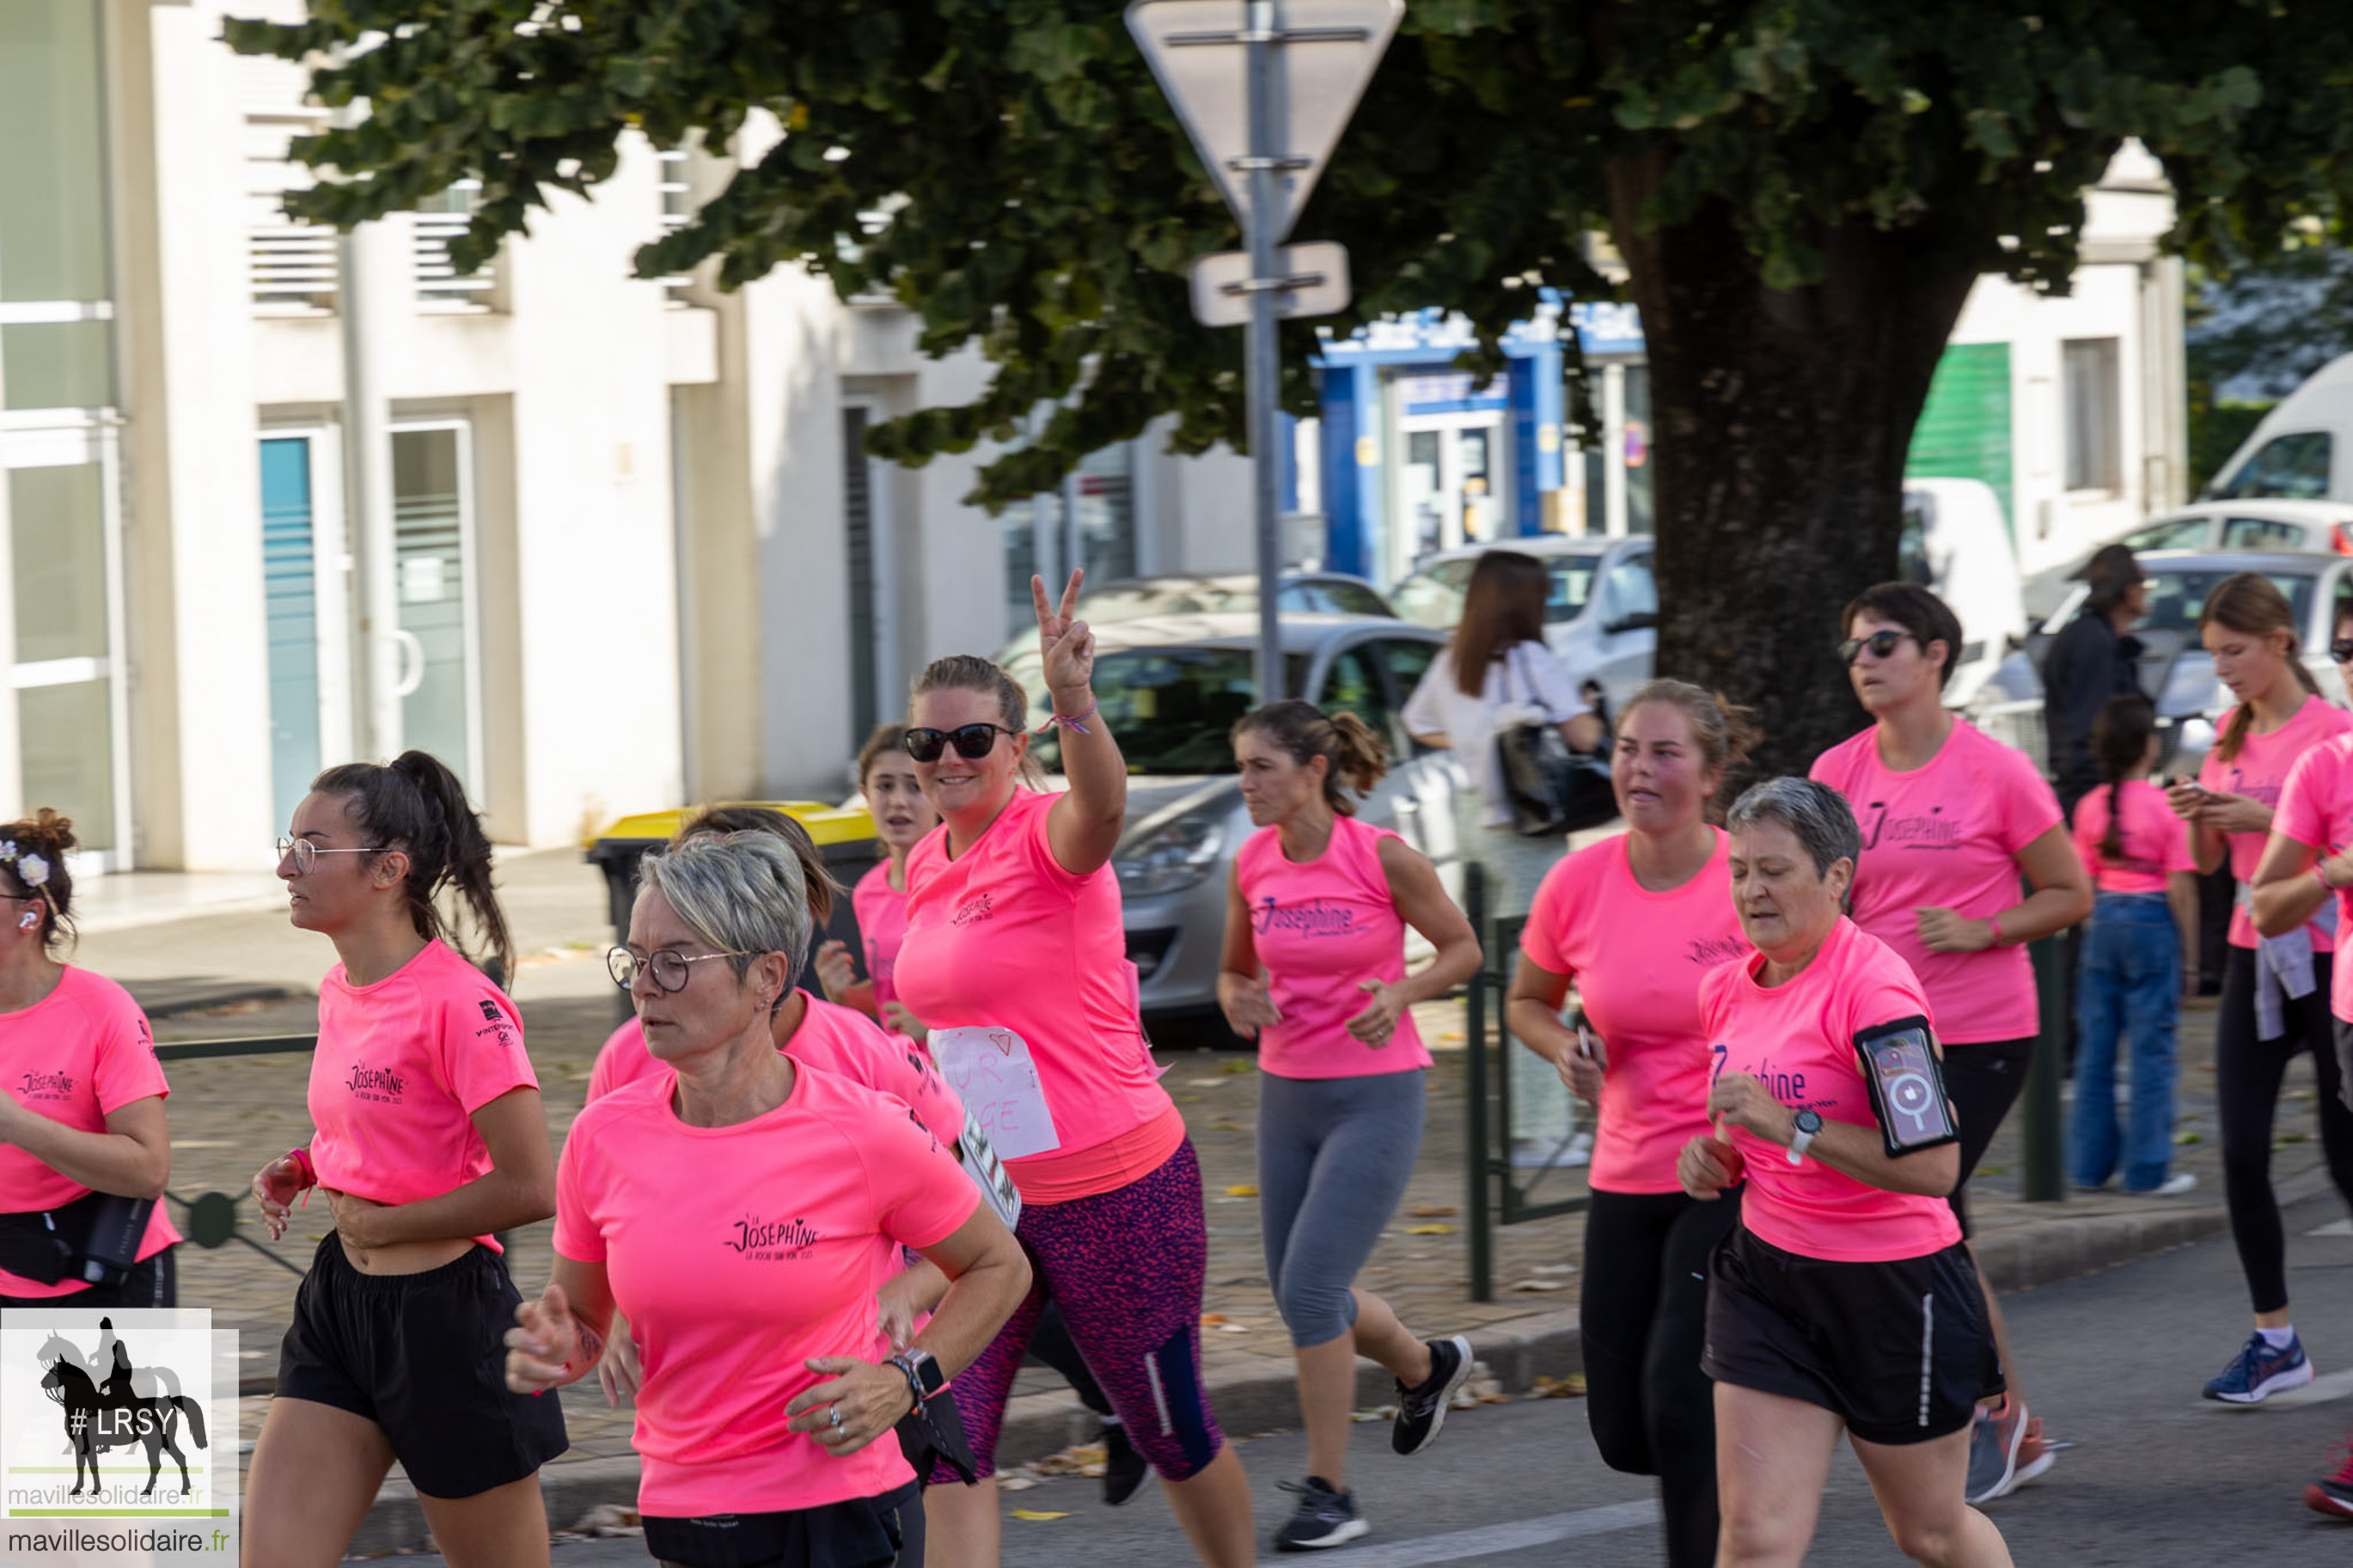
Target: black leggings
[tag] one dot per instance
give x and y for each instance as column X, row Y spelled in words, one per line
column 1641, row 1321
column 2247, row 1076
column 1983, row 1081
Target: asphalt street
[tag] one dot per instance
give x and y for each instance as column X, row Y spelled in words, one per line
column 2157, row 1476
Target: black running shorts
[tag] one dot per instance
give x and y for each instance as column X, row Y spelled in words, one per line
column 423, row 1356
column 1893, row 1348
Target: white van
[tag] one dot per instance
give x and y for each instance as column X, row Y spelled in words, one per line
column 1956, row 542
column 2303, row 448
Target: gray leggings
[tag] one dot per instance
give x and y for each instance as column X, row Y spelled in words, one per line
column 1334, row 1156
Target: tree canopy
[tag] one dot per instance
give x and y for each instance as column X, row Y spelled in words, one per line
column 1810, row 180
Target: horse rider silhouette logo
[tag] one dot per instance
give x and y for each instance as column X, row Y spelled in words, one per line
column 118, row 1408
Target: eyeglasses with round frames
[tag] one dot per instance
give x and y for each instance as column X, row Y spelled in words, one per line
column 306, row 854
column 666, row 966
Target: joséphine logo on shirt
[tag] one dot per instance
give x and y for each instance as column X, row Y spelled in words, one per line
column 381, row 1085
column 1711, row 951
column 1789, row 1088
column 772, row 1240
column 1313, row 918
column 975, row 908
column 45, row 1086
column 1931, row 830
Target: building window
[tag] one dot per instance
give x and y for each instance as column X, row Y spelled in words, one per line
column 440, row 218
column 1090, row 522
column 292, row 266
column 433, row 529
column 2094, row 455
column 671, row 180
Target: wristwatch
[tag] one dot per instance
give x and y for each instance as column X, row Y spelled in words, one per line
column 1809, row 1127
column 924, row 1378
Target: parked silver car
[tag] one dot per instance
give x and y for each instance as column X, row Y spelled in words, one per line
column 1601, row 608
column 2177, row 670
column 1132, row 598
column 2237, row 526
column 1171, row 688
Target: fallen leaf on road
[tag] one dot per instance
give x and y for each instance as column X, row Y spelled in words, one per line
column 1431, row 1230
column 1238, row 1065
column 1213, row 1317
column 1539, row 1285
column 1016, row 1483
column 1555, row 1267
column 1569, row 1387
column 1243, row 1190
column 1234, row 1328
column 1434, row 1211
column 1035, row 1516
column 609, row 1519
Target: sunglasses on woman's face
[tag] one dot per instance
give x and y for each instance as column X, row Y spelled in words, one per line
column 2341, row 650
column 1880, row 645
column 972, row 742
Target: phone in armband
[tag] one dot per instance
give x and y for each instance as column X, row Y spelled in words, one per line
column 1907, row 1086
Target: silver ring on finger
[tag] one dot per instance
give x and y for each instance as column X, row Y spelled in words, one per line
column 835, row 1411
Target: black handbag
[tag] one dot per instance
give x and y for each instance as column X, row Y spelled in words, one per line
column 1553, row 790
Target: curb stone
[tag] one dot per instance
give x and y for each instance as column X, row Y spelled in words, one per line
column 2023, row 1258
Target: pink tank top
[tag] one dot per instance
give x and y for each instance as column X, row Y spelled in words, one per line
column 1322, row 928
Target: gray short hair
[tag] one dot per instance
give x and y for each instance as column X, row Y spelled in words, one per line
column 741, row 892
column 1816, row 814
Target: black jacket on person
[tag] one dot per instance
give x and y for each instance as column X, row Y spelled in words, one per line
column 2090, row 661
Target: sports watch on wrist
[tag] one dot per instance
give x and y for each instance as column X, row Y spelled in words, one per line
column 924, row 1378
column 1808, row 1125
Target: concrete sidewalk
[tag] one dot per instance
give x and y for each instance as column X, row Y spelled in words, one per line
column 229, row 1116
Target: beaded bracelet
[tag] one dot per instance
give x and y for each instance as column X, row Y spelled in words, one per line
column 1075, row 721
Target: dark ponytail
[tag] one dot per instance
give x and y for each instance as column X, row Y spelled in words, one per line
column 1356, row 756
column 417, row 806
column 2119, row 744
column 816, row 881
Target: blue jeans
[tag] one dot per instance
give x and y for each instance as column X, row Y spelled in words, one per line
column 2131, row 984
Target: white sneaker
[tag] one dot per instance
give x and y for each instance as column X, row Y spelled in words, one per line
column 2173, row 1185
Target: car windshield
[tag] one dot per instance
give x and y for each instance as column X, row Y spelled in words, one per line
column 1172, row 709
column 2176, row 594
column 1433, row 595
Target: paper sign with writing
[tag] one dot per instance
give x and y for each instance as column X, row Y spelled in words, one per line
column 992, row 1072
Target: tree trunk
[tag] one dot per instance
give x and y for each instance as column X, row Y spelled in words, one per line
column 1782, row 422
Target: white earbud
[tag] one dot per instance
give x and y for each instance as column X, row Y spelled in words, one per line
column 29, row 921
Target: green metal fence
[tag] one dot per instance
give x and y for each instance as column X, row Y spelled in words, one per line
column 210, row 1219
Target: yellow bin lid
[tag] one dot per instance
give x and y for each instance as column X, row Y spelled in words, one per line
column 826, row 824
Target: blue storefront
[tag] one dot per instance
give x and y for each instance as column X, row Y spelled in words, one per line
column 1415, row 457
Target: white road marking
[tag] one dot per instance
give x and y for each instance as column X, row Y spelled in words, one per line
column 1461, row 1545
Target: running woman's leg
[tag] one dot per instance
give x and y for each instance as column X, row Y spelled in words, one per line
column 1983, row 1081
column 314, row 1475
column 2247, row 1076
column 1772, row 1456
column 1359, row 1137
column 1625, row 1248
column 962, row 1527
column 1919, row 1488
column 2319, row 1031
column 1678, row 1398
column 505, row 1527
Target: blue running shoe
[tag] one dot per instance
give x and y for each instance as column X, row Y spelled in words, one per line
column 2259, row 1372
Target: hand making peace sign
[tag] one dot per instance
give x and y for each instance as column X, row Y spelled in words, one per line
column 1065, row 644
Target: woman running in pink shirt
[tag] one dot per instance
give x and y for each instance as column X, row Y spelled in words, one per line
column 886, row 777
column 1314, row 970
column 84, row 1143
column 429, row 1140
column 1016, row 958
column 1843, row 1298
column 744, row 1208
column 1635, row 923
column 2276, row 991
column 1951, row 821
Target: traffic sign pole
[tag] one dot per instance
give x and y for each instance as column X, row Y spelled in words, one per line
column 1263, row 349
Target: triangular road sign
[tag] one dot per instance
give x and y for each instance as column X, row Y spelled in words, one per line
column 1196, row 47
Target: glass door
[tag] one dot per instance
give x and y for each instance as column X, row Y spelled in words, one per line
column 433, row 525
column 305, row 574
column 65, row 606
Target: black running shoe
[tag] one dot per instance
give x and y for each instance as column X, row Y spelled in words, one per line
column 2333, row 1494
column 1124, row 1469
column 1324, row 1517
column 1422, row 1411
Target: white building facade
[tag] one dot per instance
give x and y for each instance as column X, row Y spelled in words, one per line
column 637, row 556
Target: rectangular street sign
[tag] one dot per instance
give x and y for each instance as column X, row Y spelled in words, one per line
column 1311, row 280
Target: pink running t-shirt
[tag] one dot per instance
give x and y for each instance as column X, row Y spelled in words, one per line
column 1003, row 937
column 75, row 1055
column 2315, row 809
column 1945, row 835
column 1320, row 927
column 1637, row 958
column 2156, row 841
column 835, row 1040
column 2259, row 772
column 1797, row 1039
column 882, row 927
column 739, row 1253
column 400, row 1069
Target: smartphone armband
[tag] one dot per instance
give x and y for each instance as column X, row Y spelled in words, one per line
column 1907, row 1086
